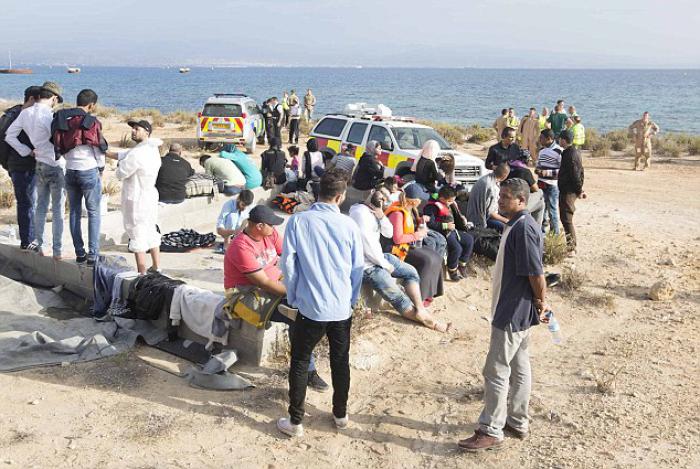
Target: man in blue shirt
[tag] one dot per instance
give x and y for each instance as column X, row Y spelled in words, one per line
column 322, row 264
column 233, row 214
column 518, row 303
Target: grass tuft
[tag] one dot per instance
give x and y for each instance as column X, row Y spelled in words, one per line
column 478, row 134
column 572, row 278
column 555, row 248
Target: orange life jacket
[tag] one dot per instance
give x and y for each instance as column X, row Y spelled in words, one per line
column 401, row 250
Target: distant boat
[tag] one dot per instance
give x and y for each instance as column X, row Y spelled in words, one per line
column 15, row 71
column 185, row 70
column 73, row 70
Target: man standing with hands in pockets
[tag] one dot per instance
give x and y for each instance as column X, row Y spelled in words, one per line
column 518, row 303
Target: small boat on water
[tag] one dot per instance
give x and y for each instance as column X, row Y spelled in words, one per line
column 185, row 70
column 15, row 71
column 73, row 70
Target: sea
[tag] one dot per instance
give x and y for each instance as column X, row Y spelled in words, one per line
column 605, row 99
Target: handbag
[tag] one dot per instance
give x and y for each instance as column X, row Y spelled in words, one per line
column 251, row 304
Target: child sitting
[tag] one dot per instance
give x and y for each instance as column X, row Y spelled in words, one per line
column 233, row 216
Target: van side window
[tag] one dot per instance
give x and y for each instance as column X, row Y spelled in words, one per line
column 357, row 133
column 330, row 126
column 381, row 135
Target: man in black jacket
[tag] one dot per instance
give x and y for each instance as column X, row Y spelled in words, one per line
column 570, row 186
column 504, row 151
column 273, row 165
column 172, row 176
column 21, row 170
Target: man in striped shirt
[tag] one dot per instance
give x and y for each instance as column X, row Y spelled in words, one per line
column 547, row 170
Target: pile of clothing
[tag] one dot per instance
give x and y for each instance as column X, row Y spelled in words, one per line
column 200, row 184
column 186, row 240
column 293, row 202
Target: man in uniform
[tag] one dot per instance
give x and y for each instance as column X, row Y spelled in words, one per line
column 309, row 104
column 530, row 132
column 642, row 130
column 501, row 122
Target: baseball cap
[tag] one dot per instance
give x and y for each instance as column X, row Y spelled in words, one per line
column 264, row 214
column 413, row 191
column 144, row 124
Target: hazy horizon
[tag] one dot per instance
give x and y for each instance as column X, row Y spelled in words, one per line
column 524, row 34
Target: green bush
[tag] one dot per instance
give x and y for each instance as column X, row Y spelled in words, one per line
column 601, row 148
column 592, row 138
column 555, row 248
column 619, row 139
column 694, row 146
column 450, row 132
column 668, row 146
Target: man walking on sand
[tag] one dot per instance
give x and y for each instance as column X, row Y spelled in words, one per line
column 518, row 303
column 570, row 182
column 530, row 132
column 36, row 121
column 137, row 168
column 309, row 105
column 501, row 123
column 642, row 130
column 322, row 265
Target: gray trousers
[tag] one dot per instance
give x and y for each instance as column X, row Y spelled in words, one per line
column 507, row 382
column 536, row 206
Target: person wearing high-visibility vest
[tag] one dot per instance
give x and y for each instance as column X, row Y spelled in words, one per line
column 512, row 120
column 579, row 132
column 543, row 119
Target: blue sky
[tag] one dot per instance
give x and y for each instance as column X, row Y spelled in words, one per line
column 409, row 33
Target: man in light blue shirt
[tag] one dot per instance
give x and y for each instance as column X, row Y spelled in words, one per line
column 322, row 264
column 233, row 214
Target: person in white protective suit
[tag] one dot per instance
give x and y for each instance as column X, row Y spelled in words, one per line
column 137, row 168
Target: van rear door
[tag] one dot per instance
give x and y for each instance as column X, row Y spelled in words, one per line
column 221, row 121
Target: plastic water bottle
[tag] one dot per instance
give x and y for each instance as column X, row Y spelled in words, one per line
column 553, row 326
column 13, row 235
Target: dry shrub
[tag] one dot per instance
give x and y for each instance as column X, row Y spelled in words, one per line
column 112, row 187
column 450, row 132
column 305, row 127
column 572, row 278
column 601, row 148
column 694, row 146
column 184, row 118
column 153, row 115
column 606, row 380
column 600, row 300
column 126, row 142
column 105, row 111
column 478, row 134
column 7, row 194
column 668, row 146
column 555, row 248
column 592, row 138
column 619, row 139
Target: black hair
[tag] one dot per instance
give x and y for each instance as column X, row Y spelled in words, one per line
column 274, row 142
column 86, row 97
column 567, row 135
column 547, row 133
column 506, row 131
column 517, row 187
column 312, row 144
column 333, row 183
column 203, row 159
column 390, row 182
column 45, row 94
column 501, row 170
column 447, row 192
column 246, row 197
column 293, row 150
column 31, row 92
column 504, row 111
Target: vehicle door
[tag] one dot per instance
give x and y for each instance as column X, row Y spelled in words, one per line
column 328, row 132
column 356, row 136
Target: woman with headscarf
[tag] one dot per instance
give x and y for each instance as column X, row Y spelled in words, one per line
column 369, row 171
column 409, row 231
column 311, row 162
column 425, row 168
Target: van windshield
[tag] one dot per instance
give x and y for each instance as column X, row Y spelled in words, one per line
column 413, row 138
column 222, row 110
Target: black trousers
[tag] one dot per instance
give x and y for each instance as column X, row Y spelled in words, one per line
column 307, row 334
column 294, row 130
column 567, row 207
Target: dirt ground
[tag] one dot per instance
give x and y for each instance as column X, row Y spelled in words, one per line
column 621, row 391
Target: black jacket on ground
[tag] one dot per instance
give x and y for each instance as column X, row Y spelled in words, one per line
column 14, row 161
column 571, row 172
column 172, row 177
column 368, row 174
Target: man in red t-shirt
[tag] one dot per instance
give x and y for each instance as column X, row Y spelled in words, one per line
column 252, row 258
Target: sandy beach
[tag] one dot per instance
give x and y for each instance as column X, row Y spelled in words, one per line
column 621, row 391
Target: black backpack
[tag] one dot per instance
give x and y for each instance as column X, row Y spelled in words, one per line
column 5, row 121
column 486, row 242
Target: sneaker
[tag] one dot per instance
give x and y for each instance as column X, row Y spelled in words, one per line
column 480, row 442
column 454, row 275
column 104, row 318
column 31, row 247
column 342, row 422
column 152, row 270
column 316, row 383
column 514, row 432
column 288, row 428
column 81, row 259
column 464, row 270
column 91, row 260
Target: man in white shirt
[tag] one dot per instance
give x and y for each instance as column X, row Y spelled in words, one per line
column 547, row 169
column 380, row 267
column 77, row 135
column 50, row 171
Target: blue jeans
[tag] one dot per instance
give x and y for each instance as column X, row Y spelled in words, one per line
column 381, row 280
column 85, row 185
column 551, row 200
column 279, row 317
column 232, row 190
column 50, row 184
column 24, row 183
column 459, row 248
column 495, row 224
